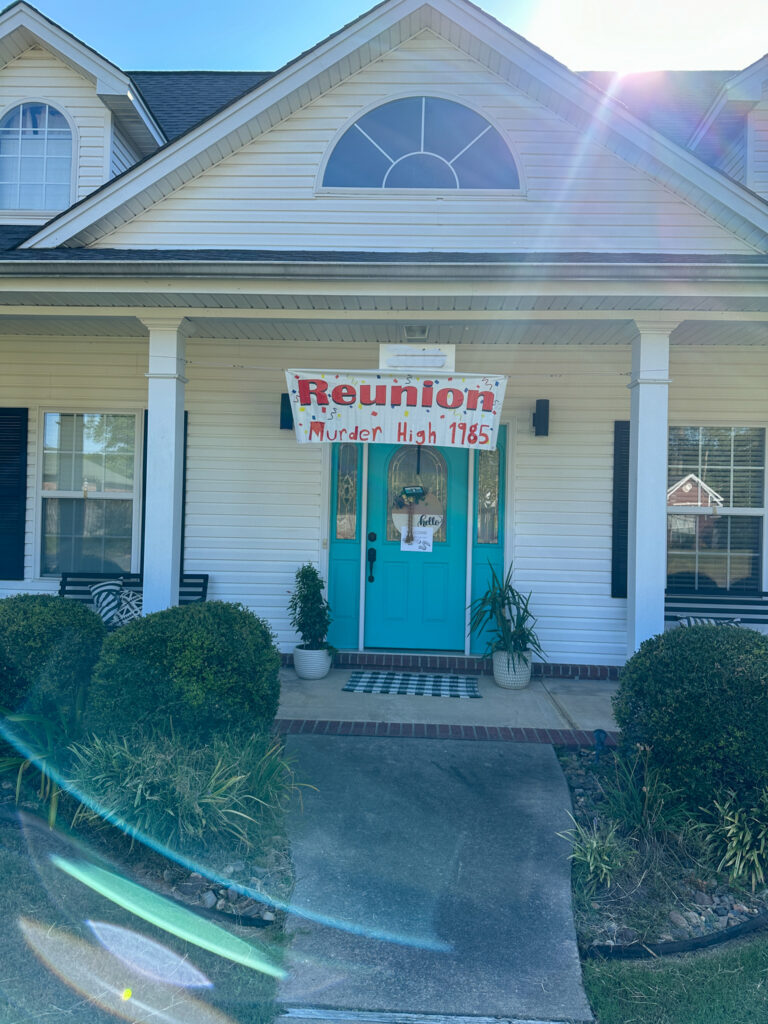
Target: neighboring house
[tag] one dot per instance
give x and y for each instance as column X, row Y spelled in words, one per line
column 425, row 177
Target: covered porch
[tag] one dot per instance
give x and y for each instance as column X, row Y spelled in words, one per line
column 653, row 343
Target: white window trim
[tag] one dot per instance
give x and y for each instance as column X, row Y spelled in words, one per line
column 86, row 408
column 452, row 195
column 37, row 215
column 737, row 510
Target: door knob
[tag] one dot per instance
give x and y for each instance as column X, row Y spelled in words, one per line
column 371, row 560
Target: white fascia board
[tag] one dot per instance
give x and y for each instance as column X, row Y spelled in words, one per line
column 556, row 76
column 746, row 87
column 107, row 78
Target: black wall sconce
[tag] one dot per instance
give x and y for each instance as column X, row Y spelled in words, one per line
column 541, row 418
column 286, row 413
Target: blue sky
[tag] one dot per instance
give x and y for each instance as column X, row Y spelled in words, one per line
column 262, row 35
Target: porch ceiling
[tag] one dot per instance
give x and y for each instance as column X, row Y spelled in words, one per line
column 457, row 302
column 490, row 330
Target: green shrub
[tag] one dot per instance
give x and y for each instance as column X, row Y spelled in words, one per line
column 598, row 854
column 698, row 697
column 205, row 667
column 48, row 647
column 638, row 800
column 184, row 798
column 736, row 837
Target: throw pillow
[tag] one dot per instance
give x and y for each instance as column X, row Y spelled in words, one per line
column 129, row 609
column 106, row 599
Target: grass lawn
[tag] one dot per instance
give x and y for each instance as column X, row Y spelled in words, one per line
column 35, row 891
column 725, row 985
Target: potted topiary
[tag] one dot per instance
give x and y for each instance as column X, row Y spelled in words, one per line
column 311, row 618
column 512, row 640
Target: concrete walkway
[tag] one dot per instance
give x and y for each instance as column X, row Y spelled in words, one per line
column 431, row 881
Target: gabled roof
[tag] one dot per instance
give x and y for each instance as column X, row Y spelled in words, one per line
column 729, row 107
column 510, row 56
column 179, row 100
column 671, row 102
column 23, row 26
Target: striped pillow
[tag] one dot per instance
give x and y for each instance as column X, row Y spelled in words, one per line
column 106, row 598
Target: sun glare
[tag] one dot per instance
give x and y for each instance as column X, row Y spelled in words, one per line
column 642, row 35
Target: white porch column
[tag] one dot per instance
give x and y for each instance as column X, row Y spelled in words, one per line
column 647, row 548
column 165, row 454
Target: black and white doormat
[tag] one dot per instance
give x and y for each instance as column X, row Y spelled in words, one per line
column 420, row 684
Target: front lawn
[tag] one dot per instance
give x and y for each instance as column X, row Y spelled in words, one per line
column 725, row 985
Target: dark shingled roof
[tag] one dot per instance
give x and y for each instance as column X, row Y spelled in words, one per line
column 671, row 102
column 181, row 99
column 12, row 235
column 78, row 255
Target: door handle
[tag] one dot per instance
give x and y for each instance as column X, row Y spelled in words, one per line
column 371, row 560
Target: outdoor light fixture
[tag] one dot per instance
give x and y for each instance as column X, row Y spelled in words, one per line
column 541, row 418
column 286, row 413
column 416, row 332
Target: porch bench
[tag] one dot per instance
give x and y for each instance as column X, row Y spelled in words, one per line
column 193, row 586
column 749, row 609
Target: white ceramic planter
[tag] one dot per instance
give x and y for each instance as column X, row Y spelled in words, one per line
column 311, row 664
column 509, row 674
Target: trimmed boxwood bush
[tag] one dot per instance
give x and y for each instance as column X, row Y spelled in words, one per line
column 48, row 647
column 201, row 669
column 698, row 696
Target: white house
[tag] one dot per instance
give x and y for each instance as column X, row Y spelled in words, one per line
column 423, row 193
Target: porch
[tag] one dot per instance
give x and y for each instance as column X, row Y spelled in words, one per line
column 641, row 341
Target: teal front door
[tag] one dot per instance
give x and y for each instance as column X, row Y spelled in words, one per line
column 417, row 531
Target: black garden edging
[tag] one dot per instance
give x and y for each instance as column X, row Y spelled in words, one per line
column 640, row 951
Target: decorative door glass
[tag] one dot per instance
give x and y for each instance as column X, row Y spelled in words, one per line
column 488, row 497
column 346, row 493
column 417, row 486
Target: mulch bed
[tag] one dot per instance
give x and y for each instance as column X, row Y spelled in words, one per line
column 669, row 897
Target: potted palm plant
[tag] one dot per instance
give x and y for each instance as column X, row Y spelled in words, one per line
column 504, row 614
column 311, row 618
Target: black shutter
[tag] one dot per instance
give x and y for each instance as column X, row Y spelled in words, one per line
column 144, row 488
column 13, row 492
column 620, row 508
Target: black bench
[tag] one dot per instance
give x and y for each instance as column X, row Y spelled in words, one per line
column 193, row 586
column 749, row 609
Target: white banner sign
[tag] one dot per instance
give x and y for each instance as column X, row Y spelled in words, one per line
column 446, row 409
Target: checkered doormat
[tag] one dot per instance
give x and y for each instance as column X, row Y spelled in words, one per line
column 421, row 684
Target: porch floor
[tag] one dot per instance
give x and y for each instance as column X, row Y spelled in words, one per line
column 546, row 704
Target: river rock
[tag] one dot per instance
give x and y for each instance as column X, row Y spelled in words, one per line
column 678, row 920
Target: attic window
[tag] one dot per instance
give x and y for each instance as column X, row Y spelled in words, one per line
column 421, row 142
column 35, row 158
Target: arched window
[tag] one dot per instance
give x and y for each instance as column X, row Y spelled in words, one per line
column 35, row 158
column 421, row 142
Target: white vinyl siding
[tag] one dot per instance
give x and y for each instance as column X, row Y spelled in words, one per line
column 123, row 154
column 576, row 194
column 758, row 149
column 37, row 75
column 256, row 499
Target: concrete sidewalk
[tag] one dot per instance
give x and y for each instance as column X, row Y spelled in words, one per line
column 430, row 880
column 560, row 704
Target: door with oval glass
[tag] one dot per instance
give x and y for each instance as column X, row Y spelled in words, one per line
column 416, row 545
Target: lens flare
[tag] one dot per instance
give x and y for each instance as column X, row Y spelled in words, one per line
column 149, row 958
column 105, row 981
column 169, row 916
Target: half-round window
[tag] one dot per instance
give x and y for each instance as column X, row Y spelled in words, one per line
column 421, row 142
column 35, row 158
